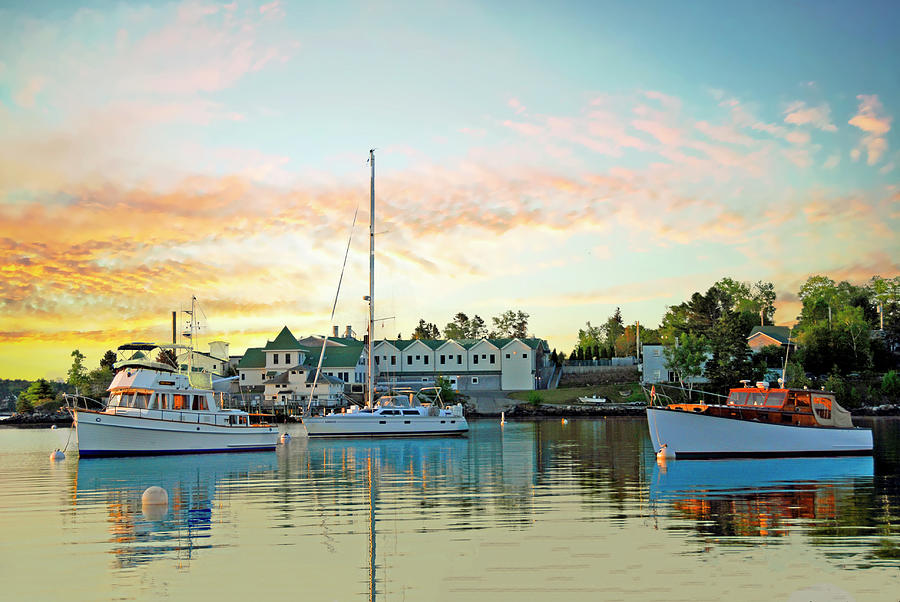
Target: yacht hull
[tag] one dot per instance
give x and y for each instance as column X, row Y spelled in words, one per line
column 101, row 434
column 349, row 425
column 688, row 435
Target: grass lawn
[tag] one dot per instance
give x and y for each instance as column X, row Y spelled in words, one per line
column 614, row 393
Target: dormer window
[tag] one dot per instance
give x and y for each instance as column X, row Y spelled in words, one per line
column 274, row 358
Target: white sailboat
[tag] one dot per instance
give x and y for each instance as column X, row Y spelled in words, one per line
column 392, row 415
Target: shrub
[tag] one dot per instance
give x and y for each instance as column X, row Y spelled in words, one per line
column 535, row 397
column 890, row 385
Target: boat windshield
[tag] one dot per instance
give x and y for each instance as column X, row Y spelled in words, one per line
column 776, row 399
column 737, row 398
column 394, row 401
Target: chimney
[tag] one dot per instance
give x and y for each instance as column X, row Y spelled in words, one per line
column 349, row 333
column 337, row 329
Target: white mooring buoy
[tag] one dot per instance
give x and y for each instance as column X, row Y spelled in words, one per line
column 53, row 427
column 502, row 418
column 155, row 503
column 56, row 456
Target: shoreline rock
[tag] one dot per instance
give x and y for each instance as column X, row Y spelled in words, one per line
column 36, row 420
column 527, row 410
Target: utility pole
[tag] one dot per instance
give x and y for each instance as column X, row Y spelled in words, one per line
column 637, row 340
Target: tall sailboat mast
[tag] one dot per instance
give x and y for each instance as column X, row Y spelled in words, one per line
column 370, row 380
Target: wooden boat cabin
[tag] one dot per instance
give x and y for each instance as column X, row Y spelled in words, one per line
column 796, row 407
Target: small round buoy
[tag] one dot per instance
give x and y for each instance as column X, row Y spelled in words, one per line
column 57, row 456
column 155, row 503
column 155, row 495
column 664, row 454
column 564, row 421
column 53, row 428
column 285, row 437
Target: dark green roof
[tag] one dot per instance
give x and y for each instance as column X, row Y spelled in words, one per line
column 285, row 341
column 335, row 357
column 253, row 358
column 779, row 333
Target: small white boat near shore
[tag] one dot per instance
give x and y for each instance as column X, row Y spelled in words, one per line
column 154, row 410
column 593, row 399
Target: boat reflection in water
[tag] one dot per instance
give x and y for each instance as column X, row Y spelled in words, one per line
column 142, row 532
column 759, row 498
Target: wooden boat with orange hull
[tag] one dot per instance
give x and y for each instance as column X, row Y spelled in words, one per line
column 757, row 422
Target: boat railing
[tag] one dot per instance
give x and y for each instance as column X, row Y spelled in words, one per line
column 660, row 394
column 81, row 402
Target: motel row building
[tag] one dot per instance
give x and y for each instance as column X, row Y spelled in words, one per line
column 284, row 369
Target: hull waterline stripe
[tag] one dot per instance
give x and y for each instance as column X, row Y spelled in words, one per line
column 99, row 453
column 776, row 454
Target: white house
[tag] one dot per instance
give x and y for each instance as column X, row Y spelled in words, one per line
column 451, row 357
column 296, row 385
column 283, row 352
column 418, row 357
column 518, row 366
column 252, row 368
column 656, row 370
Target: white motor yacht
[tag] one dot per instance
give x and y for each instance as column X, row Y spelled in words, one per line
column 153, row 410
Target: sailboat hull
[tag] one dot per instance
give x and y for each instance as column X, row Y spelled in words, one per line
column 356, row 425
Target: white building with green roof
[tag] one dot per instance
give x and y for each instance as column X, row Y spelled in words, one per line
column 469, row 364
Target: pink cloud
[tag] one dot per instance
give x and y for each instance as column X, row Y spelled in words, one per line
column 798, row 113
column 871, row 119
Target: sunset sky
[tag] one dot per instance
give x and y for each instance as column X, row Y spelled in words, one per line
column 558, row 158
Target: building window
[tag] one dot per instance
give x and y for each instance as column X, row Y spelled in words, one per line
column 507, row 356
column 418, row 357
column 493, row 359
column 409, row 360
column 376, row 360
column 275, row 358
column 426, row 360
column 474, row 380
column 243, row 376
column 524, row 356
column 656, row 352
column 475, row 359
column 459, row 359
column 287, row 358
column 442, row 360
column 483, row 356
column 393, row 360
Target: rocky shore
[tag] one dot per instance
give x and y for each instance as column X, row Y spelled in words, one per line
column 38, row 420
column 529, row 410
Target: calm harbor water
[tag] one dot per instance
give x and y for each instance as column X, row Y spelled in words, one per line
column 532, row 510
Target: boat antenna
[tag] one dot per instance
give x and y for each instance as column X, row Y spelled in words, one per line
column 369, row 351
column 786, row 353
column 333, row 309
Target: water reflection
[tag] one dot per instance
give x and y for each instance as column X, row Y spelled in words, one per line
column 575, row 510
column 140, row 532
column 759, row 498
